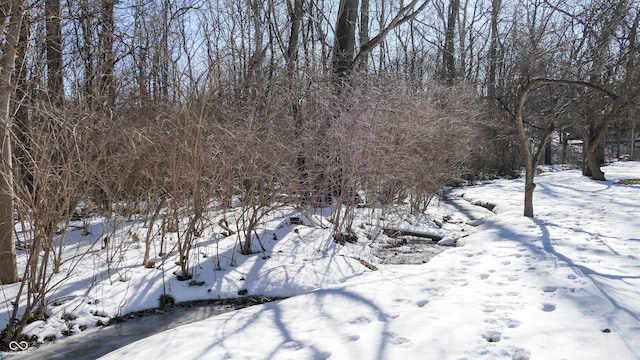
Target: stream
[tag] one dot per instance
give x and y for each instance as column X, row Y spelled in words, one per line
column 96, row 342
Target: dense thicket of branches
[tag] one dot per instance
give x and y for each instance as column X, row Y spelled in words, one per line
column 131, row 106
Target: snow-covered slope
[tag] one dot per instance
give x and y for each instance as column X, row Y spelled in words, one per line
column 563, row 285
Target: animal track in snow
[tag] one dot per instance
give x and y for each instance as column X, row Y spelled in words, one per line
column 549, row 289
column 422, row 303
column 484, row 276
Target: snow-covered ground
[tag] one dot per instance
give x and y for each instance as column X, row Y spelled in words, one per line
column 562, row 285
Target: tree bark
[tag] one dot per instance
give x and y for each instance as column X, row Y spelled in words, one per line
column 14, row 11
column 493, row 49
column 54, row 53
column 548, row 154
column 345, row 40
column 294, row 38
column 364, row 31
column 106, row 78
column 448, row 54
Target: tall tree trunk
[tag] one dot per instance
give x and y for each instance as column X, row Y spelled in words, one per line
column 448, row 54
column 88, row 54
column 292, row 61
column 294, row 38
column 493, row 49
column 106, row 78
column 345, row 39
column 21, row 109
column 54, row 53
column 12, row 10
column 364, row 31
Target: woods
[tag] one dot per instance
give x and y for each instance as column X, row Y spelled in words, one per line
column 164, row 109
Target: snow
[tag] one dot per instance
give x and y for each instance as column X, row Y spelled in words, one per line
column 562, row 285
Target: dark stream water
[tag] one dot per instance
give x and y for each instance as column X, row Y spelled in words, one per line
column 96, row 342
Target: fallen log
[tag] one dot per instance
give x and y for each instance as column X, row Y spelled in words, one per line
column 396, row 233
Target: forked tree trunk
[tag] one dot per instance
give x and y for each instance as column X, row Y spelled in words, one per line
column 531, row 160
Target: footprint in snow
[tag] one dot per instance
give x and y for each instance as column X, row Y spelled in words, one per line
column 360, row 320
column 352, row 338
column 520, row 354
column 490, row 309
column 293, row 345
column 546, row 307
column 492, row 336
column 386, row 317
column 422, row 303
column 484, row 276
column 402, row 301
column 395, row 338
column 512, row 324
column 549, row 289
column 460, row 282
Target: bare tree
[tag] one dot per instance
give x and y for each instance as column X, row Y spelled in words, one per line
column 602, row 35
column 532, row 159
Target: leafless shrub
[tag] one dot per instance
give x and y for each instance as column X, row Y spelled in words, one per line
column 254, row 152
column 425, row 140
column 53, row 169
